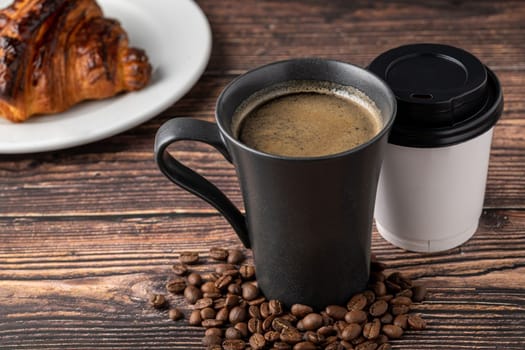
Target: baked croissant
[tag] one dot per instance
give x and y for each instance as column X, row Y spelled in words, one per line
column 56, row 53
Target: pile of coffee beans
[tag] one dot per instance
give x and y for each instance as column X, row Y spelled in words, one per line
column 230, row 306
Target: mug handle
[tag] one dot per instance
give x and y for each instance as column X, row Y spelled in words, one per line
column 179, row 129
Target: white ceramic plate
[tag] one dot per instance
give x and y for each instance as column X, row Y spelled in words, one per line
column 177, row 38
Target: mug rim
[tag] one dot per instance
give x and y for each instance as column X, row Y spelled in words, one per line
column 385, row 129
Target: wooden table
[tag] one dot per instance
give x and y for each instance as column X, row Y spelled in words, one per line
column 86, row 234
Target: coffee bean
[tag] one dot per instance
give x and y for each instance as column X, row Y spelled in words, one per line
column 254, row 311
column 255, row 325
column 334, row 346
column 401, row 301
column 203, row 303
column 272, row 336
column 208, row 313
column 378, row 308
column 370, row 296
column 214, row 347
column 392, row 331
column 257, row 341
column 313, row 337
column 223, row 314
column 381, row 339
column 372, row 329
column 419, row 292
column 243, row 328
column 231, row 300
column 291, row 336
column 237, row 314
column 400, row 309
column 300, row 310
column 289, row 317
column 386, row 297
column 179, row 269
column 221, row 268
column 234, row 288
column 192, row 294
column 416, row 322
column 235, row 256
column 211, row 340
column 405, row 293
column 275, row 307
column 279, row 324
column 267, row 323
column 249, row 291
column 360, row 340
column 392, row 287
column 194, row 279
column 401, row 321
column 209, row 287
column 189, row 258
column 281, row 346
column 233, row 272
column 387, row 318
column 214, row 331
column 218, row 254
column 326, row 331
column 219, row 303
column 356, row 316
column 357, row 302
column 305, row 345
column 158, row 301
column 384, row 346
column 195, row 318
column 213, row 296
column 247, row 272
column 264, row 309
column 233, row 344
column 379, row 288
column 340, row 325
column 368, row 345
column 399, row 279
column 347, row 345
column 312, row 321
column 330, row 340
column 175, row 314
column 232, row 333
column 223, row 281
column 352, row 331
column 176, row 285
column 337, row 312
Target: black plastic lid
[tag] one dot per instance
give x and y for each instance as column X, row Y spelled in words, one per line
column 445, row 95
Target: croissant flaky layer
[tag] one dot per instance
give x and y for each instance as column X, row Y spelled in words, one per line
column 56, row 53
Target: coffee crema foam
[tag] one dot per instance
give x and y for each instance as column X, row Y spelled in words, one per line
column 306, row 119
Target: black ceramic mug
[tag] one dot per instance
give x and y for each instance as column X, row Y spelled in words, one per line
column 308, row 220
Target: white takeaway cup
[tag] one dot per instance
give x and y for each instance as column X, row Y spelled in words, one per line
column 432, row 184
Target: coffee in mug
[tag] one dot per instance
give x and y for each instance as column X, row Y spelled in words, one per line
column 306, row 119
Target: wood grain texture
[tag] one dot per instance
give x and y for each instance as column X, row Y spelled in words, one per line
column 96, row 284
column 86, row 234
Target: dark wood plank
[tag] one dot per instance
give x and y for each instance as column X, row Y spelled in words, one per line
column 85, row 283
column 359, row 30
